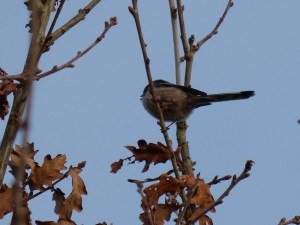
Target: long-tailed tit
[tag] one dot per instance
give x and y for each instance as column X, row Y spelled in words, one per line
column 177, row 102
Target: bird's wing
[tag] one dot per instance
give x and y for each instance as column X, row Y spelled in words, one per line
column 188, row 90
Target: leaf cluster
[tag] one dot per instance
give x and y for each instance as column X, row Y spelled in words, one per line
column 37, row 179
column 160, row 199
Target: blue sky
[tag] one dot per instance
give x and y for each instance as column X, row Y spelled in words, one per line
column 91, row 111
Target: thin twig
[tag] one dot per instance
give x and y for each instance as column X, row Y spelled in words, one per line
column 72, row 22
column 235, row 180
column 215, row 30
column 145, row 201
column 180, row 9
column 69, row 64
column 48, row 37
column 188, row 54
column 149, row 179
column 48, row 188
column 45, row 190
column 2, row 72
column 217, row 180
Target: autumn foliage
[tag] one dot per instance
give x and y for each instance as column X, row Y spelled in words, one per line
column 160, row 199
column 39, row 179
column 179, row 193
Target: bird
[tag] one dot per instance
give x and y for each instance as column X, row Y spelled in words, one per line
column 177, row 102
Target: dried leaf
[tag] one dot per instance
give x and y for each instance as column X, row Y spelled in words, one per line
column 116, row 166
column 150, row 153
column 161, row 213
column 202, row 196
column 59, row 198
column 167, row 184
column 6, row 203
column 205, row 220
column 6, row 87
column 74, row 200
column 49, row 172
column 27, row 152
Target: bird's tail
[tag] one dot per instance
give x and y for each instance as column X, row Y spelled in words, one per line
column 206, row 100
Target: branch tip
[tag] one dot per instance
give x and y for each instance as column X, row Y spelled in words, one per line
column 132, row 10
column 114, row 20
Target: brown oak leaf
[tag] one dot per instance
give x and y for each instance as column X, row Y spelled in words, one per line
column 47, row 173
column 150, row 153
column 59, row 198
column 27, row 152
column 74, row 200
column 7, row 198
column 6, row 87
column 205, row 220
column 116, row 166
column 167, row 184
column 161, row 213
column 202, row 197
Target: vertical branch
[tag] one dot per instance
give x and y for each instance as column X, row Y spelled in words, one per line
column 183, row 143
column 42, row 13
column 38, row 28
column 188, row 54
column 173, row 12
column 134, row 11
column 182, row 125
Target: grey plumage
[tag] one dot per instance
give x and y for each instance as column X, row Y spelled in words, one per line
column 177, row 102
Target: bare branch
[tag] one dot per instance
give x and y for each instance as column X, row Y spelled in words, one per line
column 173, row 12
column 72, row 22
column 215, row 30
column 217, row 180
column 69, row 64
column 48, row 37
column 149, row 179
column 188, row 54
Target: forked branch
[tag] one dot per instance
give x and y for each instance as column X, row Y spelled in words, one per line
column 215, row 30
column 69, row 64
